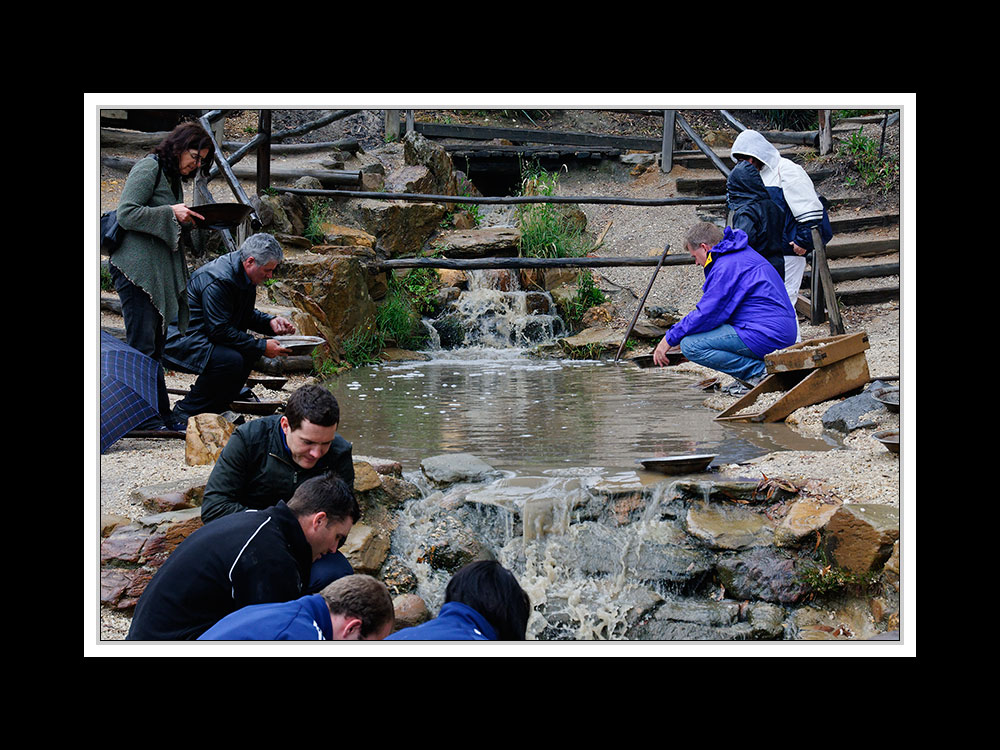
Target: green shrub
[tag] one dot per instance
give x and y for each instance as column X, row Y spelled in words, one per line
column 545, row 231
column 874, row 171
column 587, row 295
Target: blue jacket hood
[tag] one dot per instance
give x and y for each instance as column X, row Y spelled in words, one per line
column 455, row 622
column 745, row 185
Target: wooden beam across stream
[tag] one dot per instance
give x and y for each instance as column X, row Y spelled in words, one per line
column 468, row 264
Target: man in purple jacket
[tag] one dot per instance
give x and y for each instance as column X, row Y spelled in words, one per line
column 744, row 312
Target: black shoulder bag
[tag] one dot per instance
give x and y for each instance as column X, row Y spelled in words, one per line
column 111, row 232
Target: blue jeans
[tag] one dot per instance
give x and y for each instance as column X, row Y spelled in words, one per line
column 723, row 350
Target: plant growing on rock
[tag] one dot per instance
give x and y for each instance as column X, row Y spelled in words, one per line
column 545, row 232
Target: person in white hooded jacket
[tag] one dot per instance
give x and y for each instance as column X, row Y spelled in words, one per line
column 790, row 186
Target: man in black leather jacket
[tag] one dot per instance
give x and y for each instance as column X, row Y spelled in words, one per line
column 216, row 346
column 266, row 459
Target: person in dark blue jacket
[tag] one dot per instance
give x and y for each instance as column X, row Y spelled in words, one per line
column 752, row 210
column 744, row 312
column 482, row 602
column 216, row 346
column 355, row 608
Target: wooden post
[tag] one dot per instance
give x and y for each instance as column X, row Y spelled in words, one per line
column 392, row 125
column 825, row 132
column 821, row 269
column 667, row 154
column 409, row 121
column 264, row 151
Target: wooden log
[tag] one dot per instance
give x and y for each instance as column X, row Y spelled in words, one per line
column 320, row 122
column 345, row 144
column 227, row 171
column 705, row 149
column 511, row 199
column 856, row 272
column 465, row 264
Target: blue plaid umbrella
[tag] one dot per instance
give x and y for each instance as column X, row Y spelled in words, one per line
column 128, row 389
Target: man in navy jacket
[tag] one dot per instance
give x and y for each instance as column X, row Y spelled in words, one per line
column 355, row 608
column 245, row 558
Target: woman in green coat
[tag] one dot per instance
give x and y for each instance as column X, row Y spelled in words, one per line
column 149, row 268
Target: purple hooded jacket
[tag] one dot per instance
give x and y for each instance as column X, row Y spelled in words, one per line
column 742, row 289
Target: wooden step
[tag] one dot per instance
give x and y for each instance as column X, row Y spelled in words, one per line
column 862, row 245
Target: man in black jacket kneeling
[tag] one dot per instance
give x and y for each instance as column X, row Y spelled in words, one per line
column 267, row 459
column 246, row 558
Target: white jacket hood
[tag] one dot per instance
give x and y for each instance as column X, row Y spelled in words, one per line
column 752, row 143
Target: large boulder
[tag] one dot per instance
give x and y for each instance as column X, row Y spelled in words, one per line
column 860, row 537
column 333, row 289
column 420, row 151
column 479, row 243
column 401, row 227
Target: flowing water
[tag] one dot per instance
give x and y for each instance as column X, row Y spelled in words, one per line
column 565, row 436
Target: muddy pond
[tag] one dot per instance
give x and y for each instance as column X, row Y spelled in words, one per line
column 524, row 414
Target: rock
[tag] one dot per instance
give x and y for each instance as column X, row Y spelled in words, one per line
column 732, row 527
column 401, row 227
column 596, row 336
column 662, row 316
column 410, row 610
column 172, row 495
column 131, row 553
column 479, row 243
column 207, row 435
column 366, row 548
column 849, row 415
column 448, row 277
column 806, row 517
column 110, row 522
column 420, row 151
column 860, row 537
column 451, row 468
column 319, row 285
column 397, row 576
column 761, row 573
column 337, row 234
column 450, row 546
column 365, row 477
column 382, row 465
column 414, row 178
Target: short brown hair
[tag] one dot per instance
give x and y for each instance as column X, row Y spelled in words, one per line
column 361, row 596
column 703, row 232
column 313, row 403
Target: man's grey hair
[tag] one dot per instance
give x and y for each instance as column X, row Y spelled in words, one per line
column 263, row 248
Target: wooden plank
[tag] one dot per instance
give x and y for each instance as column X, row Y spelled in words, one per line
column 526, row 135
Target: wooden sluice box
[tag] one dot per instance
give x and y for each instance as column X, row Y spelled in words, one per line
column 804, row 374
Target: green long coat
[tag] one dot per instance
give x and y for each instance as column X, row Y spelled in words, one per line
column 151, row 255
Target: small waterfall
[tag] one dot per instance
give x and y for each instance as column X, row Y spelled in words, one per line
column 495, row 313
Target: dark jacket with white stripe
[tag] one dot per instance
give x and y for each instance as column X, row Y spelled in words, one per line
column 241, row 559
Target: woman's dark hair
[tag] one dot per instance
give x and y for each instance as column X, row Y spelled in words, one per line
column 491, row 590
column 186, row 136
